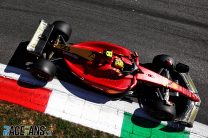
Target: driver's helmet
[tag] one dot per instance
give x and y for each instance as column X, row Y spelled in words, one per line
column 118, row 63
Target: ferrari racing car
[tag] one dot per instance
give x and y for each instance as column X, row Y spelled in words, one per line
column 164, row 87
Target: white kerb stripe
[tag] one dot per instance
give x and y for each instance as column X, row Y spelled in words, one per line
column 77, row 110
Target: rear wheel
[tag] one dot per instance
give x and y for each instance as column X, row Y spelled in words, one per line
column 63, row 29
column 43, row 70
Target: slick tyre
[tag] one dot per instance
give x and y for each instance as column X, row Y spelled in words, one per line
column 164, row 61
column 182, row 68
column 43, row 70
column 161, row 111
column 63, row 29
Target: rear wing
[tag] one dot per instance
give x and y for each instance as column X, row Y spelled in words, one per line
column 40, row 38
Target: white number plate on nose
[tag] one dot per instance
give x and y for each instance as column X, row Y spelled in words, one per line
column 37, row 35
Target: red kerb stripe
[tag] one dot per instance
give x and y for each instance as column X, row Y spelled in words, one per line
column 33, row 98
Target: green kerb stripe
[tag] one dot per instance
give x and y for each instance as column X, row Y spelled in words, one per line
column 137, row 127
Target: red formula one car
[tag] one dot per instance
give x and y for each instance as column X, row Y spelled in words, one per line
column 164, row 88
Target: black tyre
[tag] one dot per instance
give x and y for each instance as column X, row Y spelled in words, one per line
column 161, row 111
column 43, row 70
column 63, row 29
column 187, row 124
column 164, row 61
column 182, row 68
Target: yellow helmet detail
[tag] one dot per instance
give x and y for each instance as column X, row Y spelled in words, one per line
column 118, row 63
column 109, row 53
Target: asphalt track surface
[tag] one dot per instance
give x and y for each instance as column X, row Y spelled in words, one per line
column 151, row 27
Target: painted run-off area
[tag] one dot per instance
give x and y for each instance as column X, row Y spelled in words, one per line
column 137, row 127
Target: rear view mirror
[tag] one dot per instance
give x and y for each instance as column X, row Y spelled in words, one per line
column 182, row 68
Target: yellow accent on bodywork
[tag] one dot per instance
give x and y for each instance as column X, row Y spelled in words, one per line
column 85, row 53
column 175, row 86
column 109, row 54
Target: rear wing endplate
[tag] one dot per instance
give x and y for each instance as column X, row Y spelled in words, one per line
column 40, row 38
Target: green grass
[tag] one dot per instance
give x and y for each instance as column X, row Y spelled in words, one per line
column 11, row 114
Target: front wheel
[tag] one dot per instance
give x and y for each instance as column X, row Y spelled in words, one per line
column 164, row 61
column 43, row 70
column 161, row 111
